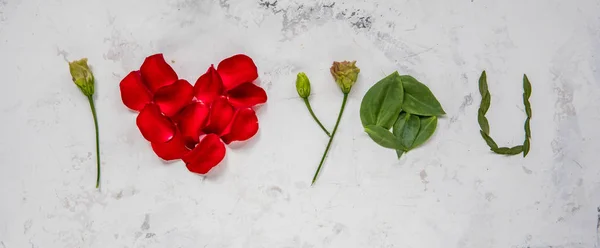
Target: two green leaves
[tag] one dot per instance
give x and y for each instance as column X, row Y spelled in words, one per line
column 486, row 99
column 403, row 104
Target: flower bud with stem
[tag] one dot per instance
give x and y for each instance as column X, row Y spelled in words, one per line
column 303, row 88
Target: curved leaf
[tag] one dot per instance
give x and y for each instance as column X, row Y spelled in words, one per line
column 383, row 137
column 526, row 86
column 527, row 128
column 488, row 140
column 399, row 153
column 418, row 99
column 526, row 147
column 508, row 151
column 527, row 105
column 383, row 102
column 400, row 122
column 428, row 126
column 397, row 130
column 483, row 122
column 406, row 129
column 483, row 87
column 485, row 103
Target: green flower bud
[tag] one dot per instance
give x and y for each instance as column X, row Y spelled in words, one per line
column 345, row 74
column 302, row 85
column 82, row 76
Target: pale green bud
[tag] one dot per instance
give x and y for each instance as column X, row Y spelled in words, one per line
column 302, row 85
column 345, row 74
column 82, row 76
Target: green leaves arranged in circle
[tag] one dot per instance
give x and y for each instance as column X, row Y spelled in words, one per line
column 404, row 104
column 485, row 126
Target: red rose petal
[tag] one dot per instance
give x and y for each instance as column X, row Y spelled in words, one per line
column 247, row 95
column 154, row 126
column 206, row 155
column 157, row 73
column 172, row 149
column 191, row 120
column 208, row 86
column 134, row 93
column 237, row 70
column 221, row 113
column 172, row 98
column 243, row 126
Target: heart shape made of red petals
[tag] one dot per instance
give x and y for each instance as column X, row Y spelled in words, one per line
column 193, row 123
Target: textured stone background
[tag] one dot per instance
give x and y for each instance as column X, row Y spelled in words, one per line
column 452, row 192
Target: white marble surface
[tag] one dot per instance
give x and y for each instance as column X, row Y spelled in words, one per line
column 452, row 192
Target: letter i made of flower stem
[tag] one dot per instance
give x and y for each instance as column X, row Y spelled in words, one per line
column 345, row 74
column 84, row 79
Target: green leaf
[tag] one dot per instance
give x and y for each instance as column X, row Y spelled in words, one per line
column 418, row 99
column 490, row 142
column 485, row 103
column 527, row 129
column 406, row 129
column 400, row 122
column 428, row 126
column 483, row 122
column 508, row 151
column 483, row 86
column 526, row 147
column 501, row 150
column 397, row 130
column 527, row 106
column 399, row 153
column 382, row 103
column 526, row 86
column 515, row 150
column 383, row 137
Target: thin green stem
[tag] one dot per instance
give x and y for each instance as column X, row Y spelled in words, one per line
column 337, row 123
column 91, row 100
column 315, row 117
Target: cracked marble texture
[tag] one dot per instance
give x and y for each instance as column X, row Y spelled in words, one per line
column 450, row 193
